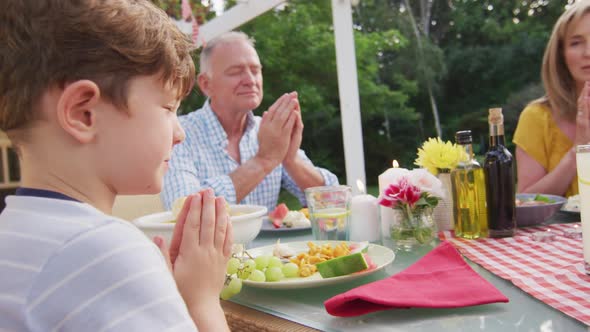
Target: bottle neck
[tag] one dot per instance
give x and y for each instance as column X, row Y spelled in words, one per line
column 468, row 149
column 496, row 134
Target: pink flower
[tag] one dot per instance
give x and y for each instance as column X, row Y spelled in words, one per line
column 402, row 192
column 426, row 182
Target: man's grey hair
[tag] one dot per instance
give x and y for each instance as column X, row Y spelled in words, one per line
column 225, row 38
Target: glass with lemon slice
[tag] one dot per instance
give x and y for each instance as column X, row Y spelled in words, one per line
column 329, row 212
column 583, row 165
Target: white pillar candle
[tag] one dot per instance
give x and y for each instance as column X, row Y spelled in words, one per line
column 390, row 176
column 365, row 225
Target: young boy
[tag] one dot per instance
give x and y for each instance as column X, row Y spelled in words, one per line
column 88, row 96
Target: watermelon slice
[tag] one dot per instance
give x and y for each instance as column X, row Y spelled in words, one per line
column 278, row 214
column 363, row 247
column 371, row 265
column 359, row 247
column 342, row 265
column 370, row 262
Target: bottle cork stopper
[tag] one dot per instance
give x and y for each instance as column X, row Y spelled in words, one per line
column 496, row 116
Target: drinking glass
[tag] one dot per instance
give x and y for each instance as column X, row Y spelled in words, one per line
column 329, row 212
column 583, row 165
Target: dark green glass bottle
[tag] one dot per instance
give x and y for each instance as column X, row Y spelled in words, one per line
column 500, row 180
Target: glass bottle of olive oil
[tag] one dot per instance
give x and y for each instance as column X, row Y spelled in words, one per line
column 469, row 193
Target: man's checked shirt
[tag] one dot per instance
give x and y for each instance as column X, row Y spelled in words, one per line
column 202, row 161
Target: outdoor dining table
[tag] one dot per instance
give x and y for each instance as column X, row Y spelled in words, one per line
column 303, row 309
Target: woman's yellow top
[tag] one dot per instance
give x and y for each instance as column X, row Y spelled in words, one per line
column 538, row 135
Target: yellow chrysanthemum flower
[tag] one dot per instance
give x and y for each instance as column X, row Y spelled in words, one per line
column 436, row 154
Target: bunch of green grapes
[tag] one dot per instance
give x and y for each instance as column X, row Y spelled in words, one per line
column 259, row 269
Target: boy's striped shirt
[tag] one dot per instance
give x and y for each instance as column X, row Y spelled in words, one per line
column 65, row 266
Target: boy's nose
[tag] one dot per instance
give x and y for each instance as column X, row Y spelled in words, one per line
column 178, row 134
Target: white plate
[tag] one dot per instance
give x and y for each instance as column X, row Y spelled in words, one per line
column 563, row 209
column 268, row 227
column 380, row 255
column 572, row 205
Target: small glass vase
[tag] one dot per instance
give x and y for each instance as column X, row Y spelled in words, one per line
column 408, row 229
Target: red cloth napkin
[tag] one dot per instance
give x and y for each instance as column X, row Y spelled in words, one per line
column 440, row 279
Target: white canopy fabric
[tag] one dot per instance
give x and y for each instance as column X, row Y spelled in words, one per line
column 247, row 10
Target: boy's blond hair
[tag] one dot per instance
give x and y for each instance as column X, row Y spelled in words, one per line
column 49, row 43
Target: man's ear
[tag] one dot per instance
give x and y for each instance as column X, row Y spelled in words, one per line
column 76, row 111
column 203, row 81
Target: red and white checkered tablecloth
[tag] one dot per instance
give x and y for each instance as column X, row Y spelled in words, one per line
column 552, row 272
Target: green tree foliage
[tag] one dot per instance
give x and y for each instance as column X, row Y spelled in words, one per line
column 493, row 51
column 421, row 62
column 296, row 48
column 475, row 54
column 202, row 12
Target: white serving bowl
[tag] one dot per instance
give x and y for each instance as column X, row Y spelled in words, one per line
column 246, row 221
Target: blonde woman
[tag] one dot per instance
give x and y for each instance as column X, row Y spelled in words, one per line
column 550, row 127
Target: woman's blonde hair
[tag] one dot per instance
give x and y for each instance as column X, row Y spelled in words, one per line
column 560, row 86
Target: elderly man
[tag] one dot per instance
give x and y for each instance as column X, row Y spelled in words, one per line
column 243, row 157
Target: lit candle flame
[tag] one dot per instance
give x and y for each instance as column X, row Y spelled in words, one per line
column 395, row 164
column 361, row 186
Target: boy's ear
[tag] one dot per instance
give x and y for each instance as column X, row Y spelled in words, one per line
column 203, row 82
column 76, row 109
